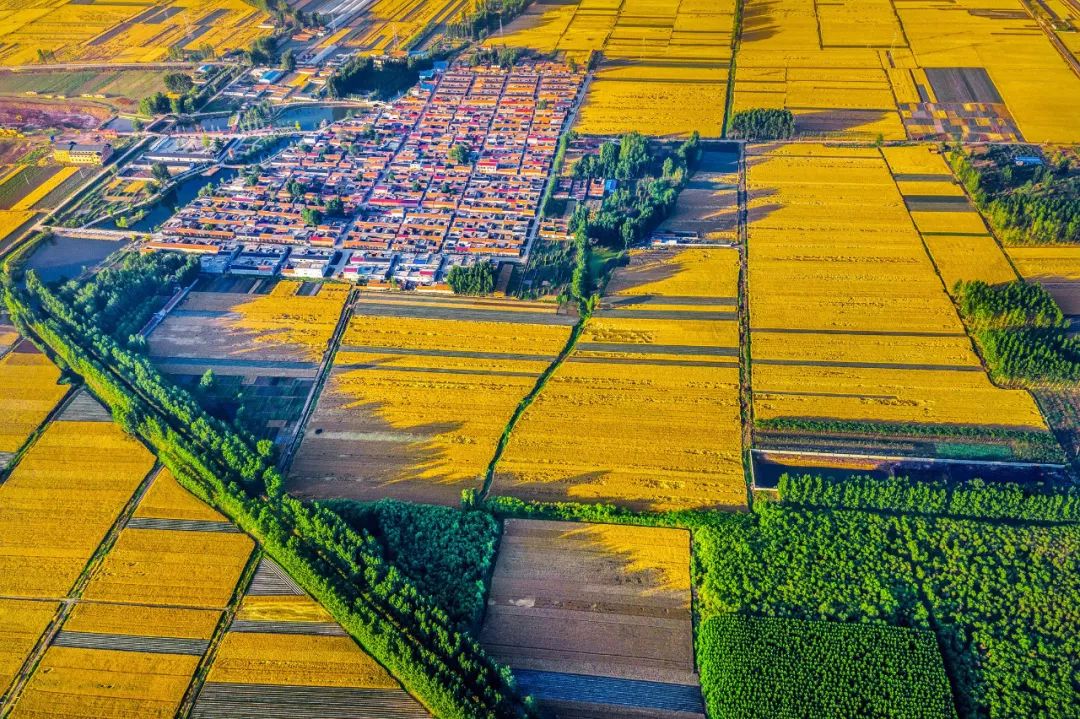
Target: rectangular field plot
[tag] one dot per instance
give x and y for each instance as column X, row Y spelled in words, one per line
column 1055, row 268
column 595, row 619
column 280, row 333
column 61, row 500
column 419, row 394
column 849, row 321
column 708, row 205
column 665, row 65
column 787, row 668
column 645, row 411
column 29, row 390
column 95, row 683
column 284, row 650
column 22, row 622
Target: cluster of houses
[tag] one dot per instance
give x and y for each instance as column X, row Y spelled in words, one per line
column 451, row 173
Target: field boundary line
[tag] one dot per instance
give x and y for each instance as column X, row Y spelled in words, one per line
column 30, row 664
column 527, row 400
column 206, row 662
column 325, row 369
column 952, row 300
column 55, row 412
column 736, row 43
column 742, row 305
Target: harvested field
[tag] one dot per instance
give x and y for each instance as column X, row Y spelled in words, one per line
column 596, row 618
column 708, row 205
column 235, row 333
column 29, row 390
column 95, row 683
column 21, row 624
column 52, row 115
column 59, row 502
column 848, row 318
column 82, row 407
column 420, row 392
column 645, row 412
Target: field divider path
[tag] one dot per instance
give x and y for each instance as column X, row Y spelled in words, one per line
column 13, row 461
column 742, row 306
column 527, row 400
column 46, row 639
column 198, row 679
column 325, row 367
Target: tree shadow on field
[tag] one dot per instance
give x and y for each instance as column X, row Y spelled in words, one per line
column 351, row 450
column 635, row 579
column 758, row 22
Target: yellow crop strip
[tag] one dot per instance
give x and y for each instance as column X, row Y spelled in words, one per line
column 645, row 412
column 166, row 499
column 848, row 318
column 142, row 621
column 666, row 64
column 12, row 220
column 29, row 390
column 296, row 660
column 21, row 623
column 59, row 502
column 155, row 566
column 431, row 396
column 104, row 32
column 282, row 608
column 104, row 683
column 1039, row 263
column 45, row 188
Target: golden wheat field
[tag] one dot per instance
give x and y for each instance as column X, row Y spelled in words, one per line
column 397, row 25
column 29, row 390
column 843, row 69
column 849, row 320
column 21, row 623
column 12, row 220
column 105, row 683
column 665, row 67
column 59, row 502
column 282, row 608
column 122, row 32
column 181, row 568
column 296, row 660
column 1055, row 268
column 645, row 411
column 166, row 499
column 959, row 242
column 142, row 620
column 420, row 393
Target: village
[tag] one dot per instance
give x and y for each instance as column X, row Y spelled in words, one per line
column 451, row 173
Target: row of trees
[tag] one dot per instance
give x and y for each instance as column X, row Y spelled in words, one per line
column 649, row 186
column 1021, row 331
column 1035, row 501
column 121, row 297
column 478, row 279
column 345, row 570
column 763, row 124
column 386, row 78
column 1025, row 204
